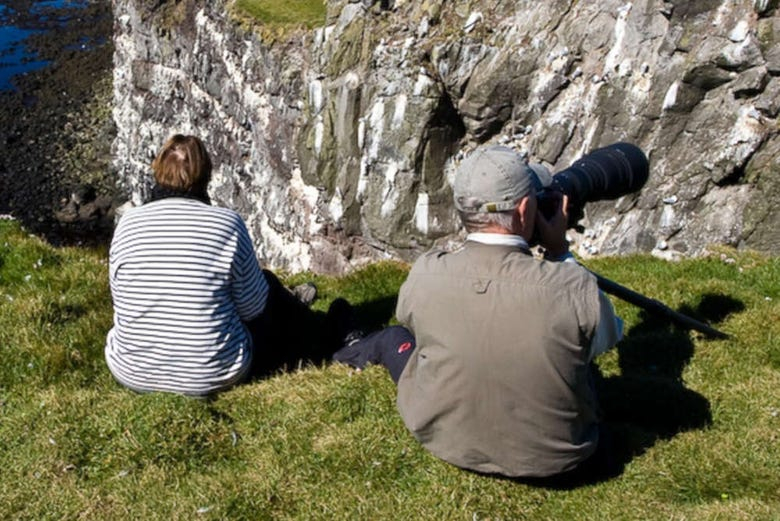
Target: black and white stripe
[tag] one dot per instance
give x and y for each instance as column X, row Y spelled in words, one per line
column 183, row 277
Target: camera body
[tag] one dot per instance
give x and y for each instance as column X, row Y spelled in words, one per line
column 605, row 173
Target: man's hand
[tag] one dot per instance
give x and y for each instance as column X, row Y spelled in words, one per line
column 552, row 231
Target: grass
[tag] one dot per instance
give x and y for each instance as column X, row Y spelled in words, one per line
column 307, row 13
column 697, row 421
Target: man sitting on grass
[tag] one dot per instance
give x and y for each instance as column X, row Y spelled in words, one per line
column 500, row 379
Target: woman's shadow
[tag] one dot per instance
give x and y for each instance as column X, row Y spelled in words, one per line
column 648, row 401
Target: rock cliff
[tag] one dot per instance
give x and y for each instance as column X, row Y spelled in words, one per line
column 337, row 145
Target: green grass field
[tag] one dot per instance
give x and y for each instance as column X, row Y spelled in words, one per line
column 307, row 13
column 697, row 420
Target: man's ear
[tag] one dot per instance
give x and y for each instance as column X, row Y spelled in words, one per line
column 525, row 217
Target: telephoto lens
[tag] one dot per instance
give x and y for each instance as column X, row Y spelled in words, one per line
column 606, row 173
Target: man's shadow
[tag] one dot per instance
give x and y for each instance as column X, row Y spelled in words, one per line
column 648, row 401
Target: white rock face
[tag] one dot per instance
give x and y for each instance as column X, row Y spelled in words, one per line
column 218, row 90
column 339, row 145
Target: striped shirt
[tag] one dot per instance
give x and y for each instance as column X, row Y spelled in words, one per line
column 183, row 277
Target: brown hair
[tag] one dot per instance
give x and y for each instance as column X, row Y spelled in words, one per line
column 182, row 164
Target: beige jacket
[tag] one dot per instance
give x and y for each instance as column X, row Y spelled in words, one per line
column 499, row 381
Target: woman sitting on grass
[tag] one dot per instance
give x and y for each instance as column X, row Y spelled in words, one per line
column 193, row 312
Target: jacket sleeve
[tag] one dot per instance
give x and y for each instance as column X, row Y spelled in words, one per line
column 249, row 287
column 609, row 330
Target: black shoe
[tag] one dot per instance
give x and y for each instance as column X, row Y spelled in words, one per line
column 356, row 335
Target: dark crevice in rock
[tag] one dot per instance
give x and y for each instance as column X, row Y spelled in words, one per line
column 445, row 126
column 736, row 177
column 667, row 10
column 707, row 76
column 747, row 93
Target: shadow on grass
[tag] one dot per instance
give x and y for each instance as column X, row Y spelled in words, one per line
column 297, row 335
column 376, row 314
column 649, row 400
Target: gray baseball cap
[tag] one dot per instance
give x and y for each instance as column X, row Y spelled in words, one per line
column 494, row 178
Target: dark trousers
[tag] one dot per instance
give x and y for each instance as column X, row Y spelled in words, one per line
column 286, row 334
column 390, row 347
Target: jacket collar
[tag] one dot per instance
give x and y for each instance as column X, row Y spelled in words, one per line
column 159, row 193
column 515, row 242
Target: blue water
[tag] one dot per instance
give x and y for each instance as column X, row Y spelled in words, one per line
column 15, row 57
